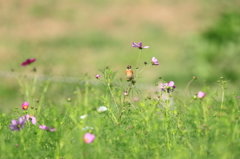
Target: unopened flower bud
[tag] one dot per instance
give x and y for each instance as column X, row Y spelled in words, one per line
column 97, row 76
column 69, row 99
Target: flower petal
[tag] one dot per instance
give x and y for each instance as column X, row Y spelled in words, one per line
column 14, row 122
column 44, row 127
column 145, row 47
column 140, row 44
column 134, row 44
column 171, row 83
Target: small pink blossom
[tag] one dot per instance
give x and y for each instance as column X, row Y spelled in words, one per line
column 89, row 138
column 136, row 99
column 201, row 94
column 44, row 127
column 97, row 76
column 28, row 61
column 25, row 106
column 125, row 93
column 139, row 45
column 31, row 118
column 154, row 61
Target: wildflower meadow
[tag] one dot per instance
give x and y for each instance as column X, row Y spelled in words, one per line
column 113, row 119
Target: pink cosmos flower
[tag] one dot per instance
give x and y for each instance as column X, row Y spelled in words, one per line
column 97, row 76
column 28, row 61
column 25, row 106
column 201, row 94
column 168, row 86
column 139, row 45
column 44, row 127
column 136, row 99
column 17, row 125
column 125, row 93
column 88, row 138
column 31, row 118
column 154, row 61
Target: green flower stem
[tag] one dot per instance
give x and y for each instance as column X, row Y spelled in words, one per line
column 167, row 122
column 143, row 69
column 113, row 96
column 222, row 100
column 138, row 59
column 186, row 92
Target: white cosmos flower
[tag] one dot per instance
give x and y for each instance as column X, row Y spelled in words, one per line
column 83, row 116
column 102, row 109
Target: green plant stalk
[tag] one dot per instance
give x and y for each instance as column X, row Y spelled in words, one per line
column 139, row 54
column 113, row 97
column 186, row 92
column 222, row 100
column 42, row 96
column 167, row 122
column 86, row 93
column 143, row 69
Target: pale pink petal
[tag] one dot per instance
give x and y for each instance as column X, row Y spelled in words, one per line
column 145, row 47
column 171, row 83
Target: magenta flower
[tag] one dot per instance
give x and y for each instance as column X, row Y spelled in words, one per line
column 201, row 94
column 97, row 76
column 168, row 86
column 154, row 61
column 44, row 127
column 28, row 61
column 31, row 118
column 139, row 45
column 17, row 125
column 88, row 138
column 25, row 106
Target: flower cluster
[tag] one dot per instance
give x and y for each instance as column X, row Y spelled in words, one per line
column 17, row 125
column 167, row 87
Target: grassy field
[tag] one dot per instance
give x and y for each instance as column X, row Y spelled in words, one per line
column 72, row 41
column 159, row 126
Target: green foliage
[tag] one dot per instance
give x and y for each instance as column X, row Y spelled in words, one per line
column 226, row 30
column 155, row 127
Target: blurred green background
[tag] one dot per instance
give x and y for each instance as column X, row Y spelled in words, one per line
column 74, row 37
